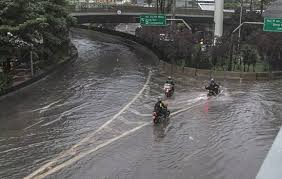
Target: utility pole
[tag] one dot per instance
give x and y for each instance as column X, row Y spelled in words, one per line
column 173, row 8
column 241, row 12
column 239, row 35
column 31, row 61
column 157, row 6
column 218, row 19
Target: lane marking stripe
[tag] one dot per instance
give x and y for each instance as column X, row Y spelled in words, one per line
column 87, row 138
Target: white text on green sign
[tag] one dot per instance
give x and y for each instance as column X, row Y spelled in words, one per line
column 272, row 24
column 153, row 20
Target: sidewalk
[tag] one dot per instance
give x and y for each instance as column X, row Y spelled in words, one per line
column 21, row 75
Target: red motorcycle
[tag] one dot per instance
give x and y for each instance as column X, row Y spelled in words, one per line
column 168, row 89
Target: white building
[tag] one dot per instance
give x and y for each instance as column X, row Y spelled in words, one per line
column 206, row 5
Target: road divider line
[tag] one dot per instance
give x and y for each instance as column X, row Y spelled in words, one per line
column 45, row 107
column 87, row 138
column 33, row 125
column 81, row 155
column 39, row 174
column 66, row 113
column 184, row 109
column 49, row 169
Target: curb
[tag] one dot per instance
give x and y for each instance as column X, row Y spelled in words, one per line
column 73, row 55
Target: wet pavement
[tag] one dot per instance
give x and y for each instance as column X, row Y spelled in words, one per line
column 93, row 120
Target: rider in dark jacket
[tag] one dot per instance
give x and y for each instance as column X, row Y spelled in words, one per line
column 213, row 86
column 160, row 107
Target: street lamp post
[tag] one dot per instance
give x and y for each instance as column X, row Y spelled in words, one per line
column 239, row 35
column 235, row 30
column 241, row 12
column 31, row 61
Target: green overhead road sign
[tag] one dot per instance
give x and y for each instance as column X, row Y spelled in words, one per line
column 153, row 20
column 272, row 24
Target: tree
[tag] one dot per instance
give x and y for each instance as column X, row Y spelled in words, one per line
column 47, row 19
column 263, row 3
column 31, row 22
column 270, row 47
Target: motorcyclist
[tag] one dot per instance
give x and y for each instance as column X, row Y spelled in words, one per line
column 160, row 107
column 213, row 86
column 170, row 81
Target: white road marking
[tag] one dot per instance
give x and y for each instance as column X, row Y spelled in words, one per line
column 54, row 169
column 48, row 169
column 138, row 113
column 68, row 112
column 43, row 109
column 69, row 151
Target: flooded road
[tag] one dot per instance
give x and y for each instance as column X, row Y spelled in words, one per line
column 93, row 120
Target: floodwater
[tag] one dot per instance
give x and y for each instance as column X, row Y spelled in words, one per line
column 92, row 119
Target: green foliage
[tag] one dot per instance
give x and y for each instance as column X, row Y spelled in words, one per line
column 43, row 24
column 231, row 5
column 25, row 17
column 249, row 54
column 177, row 47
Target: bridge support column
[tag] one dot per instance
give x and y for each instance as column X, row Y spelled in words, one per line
column 218, row 18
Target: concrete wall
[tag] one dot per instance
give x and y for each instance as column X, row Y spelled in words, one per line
column 193, row 72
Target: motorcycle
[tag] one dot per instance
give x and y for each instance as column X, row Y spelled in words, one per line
column 214, row 92
column 168, row 89
column 157, row 118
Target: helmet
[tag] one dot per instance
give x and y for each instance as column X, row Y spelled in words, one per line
column 169, row 77
column 159, row 98
column 212, row 80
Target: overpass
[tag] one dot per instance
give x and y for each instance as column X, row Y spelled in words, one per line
column 131, row 14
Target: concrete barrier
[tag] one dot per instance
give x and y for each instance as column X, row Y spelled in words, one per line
column 189, row 71
column 276, row 74
column 203, row 73
column 218, row 74
column 232, row 75
column 249, row 75
column 179, row 69
column 263, row 76
column 161, row 64
column 167, row 67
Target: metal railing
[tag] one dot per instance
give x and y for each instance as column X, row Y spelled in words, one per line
column 137, row 9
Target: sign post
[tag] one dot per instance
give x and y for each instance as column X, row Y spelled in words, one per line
column 272, row 24
column 153, row 20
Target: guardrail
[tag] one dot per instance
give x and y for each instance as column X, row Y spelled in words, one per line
column 138, row 9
